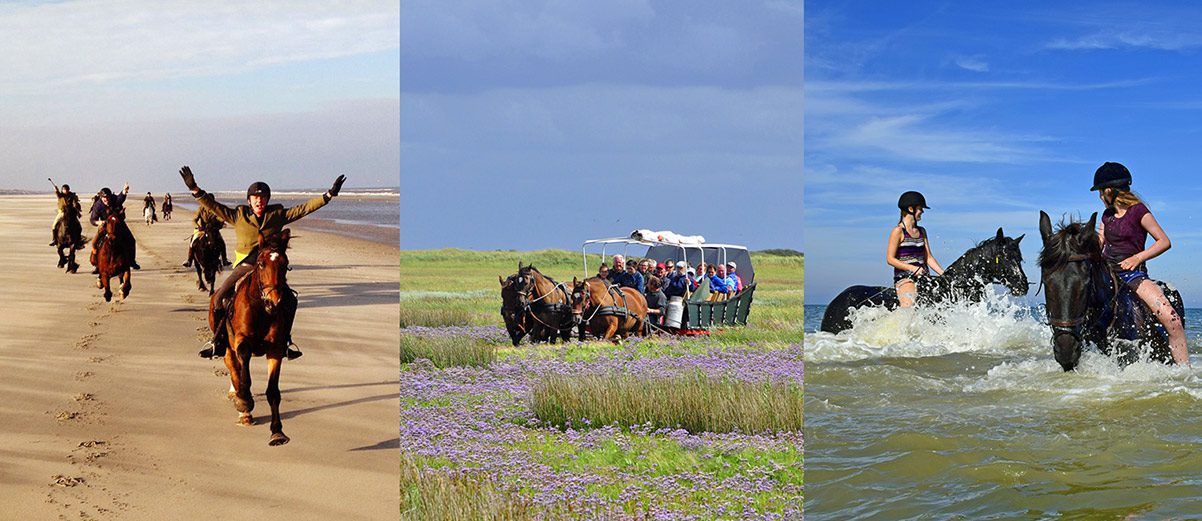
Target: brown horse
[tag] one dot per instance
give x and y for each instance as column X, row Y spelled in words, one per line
column 514, row 311
column 67, row 236
column 548, row 303
column 615, row 311
column 111, row 255
column 205, row 254
column 261, row 314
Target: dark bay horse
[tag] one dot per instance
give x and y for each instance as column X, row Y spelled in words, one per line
column 997, row 260
column 68, row 236
column 205, row 254
column 167, row 208
column 261, row 313
column 550, row 309
column 1087, row 303
column 111, row 258
column 514, row 311
column 608, row 311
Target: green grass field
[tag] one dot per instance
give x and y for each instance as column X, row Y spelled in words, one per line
column 496, row 452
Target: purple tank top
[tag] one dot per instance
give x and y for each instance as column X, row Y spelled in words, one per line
column 1124, row 236
column 912, row 251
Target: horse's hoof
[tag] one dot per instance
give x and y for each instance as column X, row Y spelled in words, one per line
column 278, row 438
column 108, row 297
column 230, row 395
column 246, row 419
column 99, row 285
column 62, row 263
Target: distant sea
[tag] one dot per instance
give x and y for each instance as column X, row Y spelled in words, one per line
column 373, row 214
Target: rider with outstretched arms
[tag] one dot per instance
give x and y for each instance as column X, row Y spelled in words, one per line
column 68, row 201
column 251, row 221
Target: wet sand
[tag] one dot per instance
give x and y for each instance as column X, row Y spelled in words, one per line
column 106, row 412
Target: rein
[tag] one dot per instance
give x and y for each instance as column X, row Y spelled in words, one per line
column 1071, row 324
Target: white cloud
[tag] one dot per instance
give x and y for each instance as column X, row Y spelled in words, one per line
column 972, row 63
column 78, row 45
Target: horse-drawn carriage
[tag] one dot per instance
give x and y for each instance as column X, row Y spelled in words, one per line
column 697, row 313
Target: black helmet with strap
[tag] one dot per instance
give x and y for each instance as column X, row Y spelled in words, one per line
column 258, row 188
column 1111, row 175
column 912, row 198
column 106, row 192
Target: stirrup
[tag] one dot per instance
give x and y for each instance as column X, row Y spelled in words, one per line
column 292, row 354
column 211, row 350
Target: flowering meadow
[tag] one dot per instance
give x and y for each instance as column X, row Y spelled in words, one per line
column 657, row 428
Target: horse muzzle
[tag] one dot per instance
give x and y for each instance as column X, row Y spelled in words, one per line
column 1066, row 345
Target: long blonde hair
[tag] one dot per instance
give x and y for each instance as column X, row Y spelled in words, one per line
column 1119, row 197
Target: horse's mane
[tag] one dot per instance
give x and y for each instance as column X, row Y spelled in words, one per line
column 276, row 242
column 995, row 242
column 1069, row 239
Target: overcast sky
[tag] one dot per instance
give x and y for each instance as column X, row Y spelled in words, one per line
column 293, row 93
column 995, row 112
column 536, row 124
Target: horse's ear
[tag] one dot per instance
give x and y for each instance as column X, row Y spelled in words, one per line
column 286, row 234
column 1000, row 235
column 519, row 265
column 1093, row 222
column 1045, row 226
column 575, row 281
column 1020, row 238
column 500, row 280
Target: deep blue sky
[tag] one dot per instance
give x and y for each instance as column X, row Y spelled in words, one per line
column 995, row 111
column 529, row 125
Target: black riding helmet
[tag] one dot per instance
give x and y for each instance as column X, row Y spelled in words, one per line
column 1111, row 175
column 912, row 198
column 106, row 192
column 258, row 188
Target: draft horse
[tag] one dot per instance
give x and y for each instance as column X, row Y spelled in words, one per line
column 547, row 304
column 205, row 254
column 112, row 256
column 514, row 310
column 1087, row 303
column 260, row 319
column 608, row 310
column 997, row 260
column 68, row 237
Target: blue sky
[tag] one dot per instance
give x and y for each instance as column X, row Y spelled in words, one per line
column 528, row 125
column 292, row 93
column 995, row 112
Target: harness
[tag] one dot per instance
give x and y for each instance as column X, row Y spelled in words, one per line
column 1072, row 326
column 534, row 307
column 608, row 311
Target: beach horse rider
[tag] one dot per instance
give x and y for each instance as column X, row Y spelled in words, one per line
column 106, row 204
column 206, row 222
column 251, row 221
column 68, row 201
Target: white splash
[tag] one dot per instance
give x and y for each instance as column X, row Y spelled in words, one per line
column 996, row 325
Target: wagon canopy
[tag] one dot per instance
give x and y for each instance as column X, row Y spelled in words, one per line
column 692, row 254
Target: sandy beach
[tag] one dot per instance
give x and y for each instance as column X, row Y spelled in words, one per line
column 106, row 412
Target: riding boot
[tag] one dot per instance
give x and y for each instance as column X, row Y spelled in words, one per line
column 293, row 354
column 216, row 347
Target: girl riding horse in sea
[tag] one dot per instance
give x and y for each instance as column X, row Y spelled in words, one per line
column 908, row 250
column 251, row 221
column 1126, row 224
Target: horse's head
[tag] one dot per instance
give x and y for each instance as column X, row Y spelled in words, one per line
column 579, row 297
column 1000, row 261
column 271, row 268
column 1066, row 266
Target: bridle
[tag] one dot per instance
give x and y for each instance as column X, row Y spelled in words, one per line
column 1072, row 326
column 266, row 290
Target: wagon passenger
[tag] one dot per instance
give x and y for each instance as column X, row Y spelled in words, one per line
column 717, row 284
column 677, row 281
column 656, row 301
column 730, row 270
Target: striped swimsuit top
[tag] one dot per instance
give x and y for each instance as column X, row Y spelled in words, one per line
column 912, row 251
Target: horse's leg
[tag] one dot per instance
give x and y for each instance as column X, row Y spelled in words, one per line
column 125, row 283
column 611, row 327
column 273, row 398
column 106, row 283
column 200, row 283
column 239, row 367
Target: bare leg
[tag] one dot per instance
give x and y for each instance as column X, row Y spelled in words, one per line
column 905, row 292
column 1151, row 294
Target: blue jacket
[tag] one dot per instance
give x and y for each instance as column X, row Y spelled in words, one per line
column 101, row 212
column 677, row 285
column 717, row 284
column 732, row 285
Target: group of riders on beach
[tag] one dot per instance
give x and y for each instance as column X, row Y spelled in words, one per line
column 1111, row 261
column 244, row 323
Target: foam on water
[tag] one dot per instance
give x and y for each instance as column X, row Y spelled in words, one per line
column 996, row 325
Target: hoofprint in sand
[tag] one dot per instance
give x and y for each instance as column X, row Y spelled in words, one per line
column 106, row 412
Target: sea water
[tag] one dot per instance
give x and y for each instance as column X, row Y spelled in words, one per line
column 371, row 214
column 961, row 412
